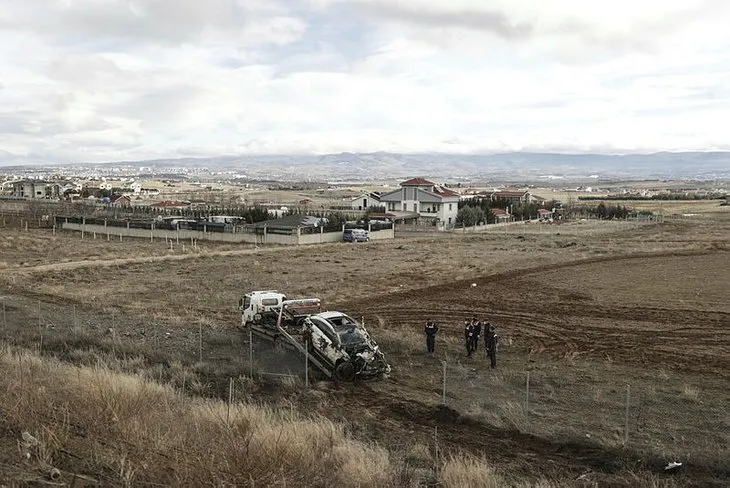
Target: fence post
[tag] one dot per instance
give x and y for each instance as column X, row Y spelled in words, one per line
column 436, row 448
column 40, row 328
column 200, row 342
column 626, row 426
column 443, row 392
column 250, row 349
column 306, row 364
column 5, row 320
column 527, row 394
column 230, row 400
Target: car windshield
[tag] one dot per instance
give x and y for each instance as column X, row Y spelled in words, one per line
column 349, row 331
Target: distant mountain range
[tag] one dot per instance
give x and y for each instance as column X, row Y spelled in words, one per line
column 493, row 167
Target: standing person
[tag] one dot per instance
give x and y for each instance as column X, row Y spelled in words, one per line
column 477, row 326
column 468, row 336
column 431, row 330
column 490, row 344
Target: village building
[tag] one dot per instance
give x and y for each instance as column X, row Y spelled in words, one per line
column 37, row 189
column 431, row 203
column 366, row 201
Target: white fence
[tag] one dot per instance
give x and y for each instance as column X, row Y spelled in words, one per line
column 296, row 238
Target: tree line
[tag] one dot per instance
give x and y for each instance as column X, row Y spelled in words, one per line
column 478, row 210
column 662, row 196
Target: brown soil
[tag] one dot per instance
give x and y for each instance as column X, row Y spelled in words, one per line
column 586, row 313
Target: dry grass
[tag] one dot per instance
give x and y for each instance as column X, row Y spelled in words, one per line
column 133, row 426
column 127, row 430
column 48, row 260
column 690, row 391
column 469, row 472
column 35, row 247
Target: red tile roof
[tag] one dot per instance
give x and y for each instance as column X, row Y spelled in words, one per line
column 499, row 212
column 416, row 182
column 444, row 192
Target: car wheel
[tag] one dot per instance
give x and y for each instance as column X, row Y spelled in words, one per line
column 345, row 371
column 278, row 343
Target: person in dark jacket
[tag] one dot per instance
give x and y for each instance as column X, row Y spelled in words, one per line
column 468, row 336
column 490, row 344
column 477, row 332
column 431, row 330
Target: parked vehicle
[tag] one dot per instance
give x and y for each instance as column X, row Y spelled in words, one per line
column 336, row 344
column 355, row 235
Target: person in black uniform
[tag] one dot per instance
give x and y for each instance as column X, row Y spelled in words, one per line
column 431, row 330
column 477, row 331
column 468, row 336
column 490, row 344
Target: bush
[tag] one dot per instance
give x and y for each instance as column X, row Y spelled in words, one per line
column 469, row 216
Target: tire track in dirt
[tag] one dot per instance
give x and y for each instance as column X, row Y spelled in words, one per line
column 570, row 336
column 566, row 326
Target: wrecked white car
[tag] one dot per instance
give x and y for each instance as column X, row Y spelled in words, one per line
column 335, row 343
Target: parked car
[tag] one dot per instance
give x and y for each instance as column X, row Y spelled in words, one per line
column 355, row 235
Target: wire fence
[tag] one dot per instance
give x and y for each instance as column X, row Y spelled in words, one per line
column 664, row 412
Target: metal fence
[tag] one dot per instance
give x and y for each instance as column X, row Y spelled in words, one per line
column 677, row 417
column 666, row 414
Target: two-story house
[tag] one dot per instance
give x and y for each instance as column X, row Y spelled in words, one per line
column 365, row 201
column 429, row 200
column 36, row 189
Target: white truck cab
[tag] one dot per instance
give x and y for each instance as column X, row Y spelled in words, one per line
column 256, row 302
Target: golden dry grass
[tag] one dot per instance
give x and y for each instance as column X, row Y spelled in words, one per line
column 143, row 432
column 469, row 472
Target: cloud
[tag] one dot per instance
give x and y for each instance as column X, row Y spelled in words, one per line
column 87, row 24
column 94, row 80
column 486, row 20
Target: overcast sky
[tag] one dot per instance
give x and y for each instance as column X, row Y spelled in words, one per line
column 100, row 80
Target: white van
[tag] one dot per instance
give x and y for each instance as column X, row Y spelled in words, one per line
column 355, row 235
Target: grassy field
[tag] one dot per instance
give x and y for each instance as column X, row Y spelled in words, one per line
column 600, row 314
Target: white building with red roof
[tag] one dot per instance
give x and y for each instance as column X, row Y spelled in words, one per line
column 427, row 199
